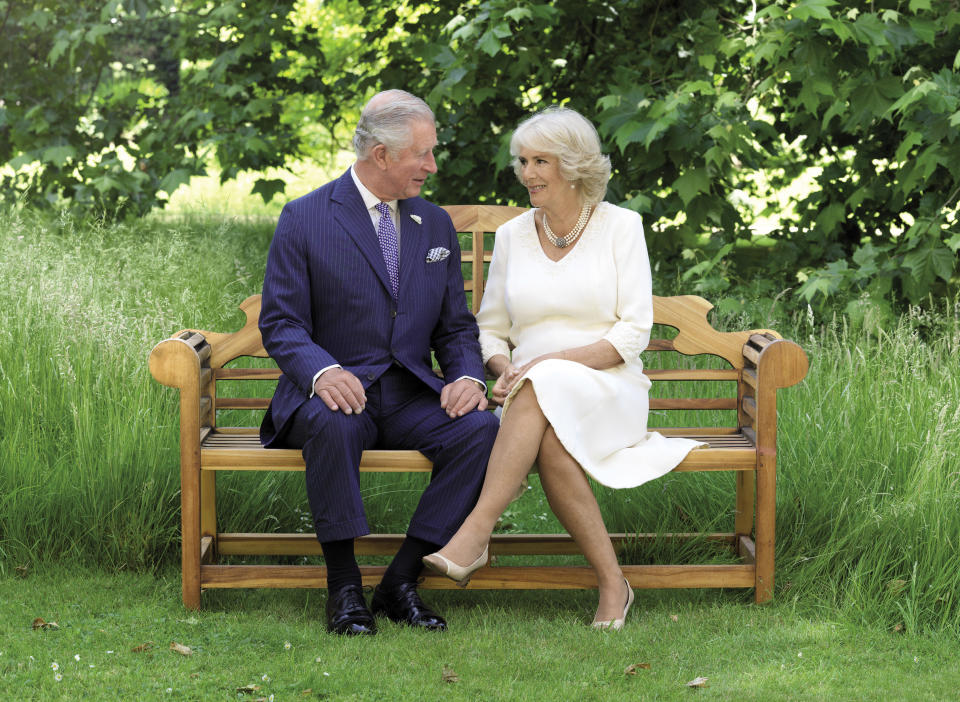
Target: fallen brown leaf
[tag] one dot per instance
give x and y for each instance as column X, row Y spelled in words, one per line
column 145, row 646
column 21, row 571
column 896, row 586
column 449, row 676
column 181, row 649
column 248, row 689
column 898, row 628
column 308, row 691
column 634, row 667
column 699, row 681
column 39, row 623
column 674, row 618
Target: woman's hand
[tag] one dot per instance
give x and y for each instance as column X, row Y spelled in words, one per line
column 511, row 374
column 505, row 382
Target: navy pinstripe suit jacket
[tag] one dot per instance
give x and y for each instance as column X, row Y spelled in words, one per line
column 327, row 298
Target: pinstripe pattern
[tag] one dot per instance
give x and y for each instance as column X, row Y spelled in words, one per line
column 327, row 299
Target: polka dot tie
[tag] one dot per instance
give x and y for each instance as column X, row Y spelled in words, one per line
column 387, row 234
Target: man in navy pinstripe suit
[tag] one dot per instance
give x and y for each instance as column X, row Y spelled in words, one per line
column 353, row 304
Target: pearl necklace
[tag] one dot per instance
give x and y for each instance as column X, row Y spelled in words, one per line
column 562, row 242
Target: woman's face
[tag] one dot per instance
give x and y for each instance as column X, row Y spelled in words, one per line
column 540, row 174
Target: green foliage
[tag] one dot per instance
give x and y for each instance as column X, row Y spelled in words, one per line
column 709, row 109
column 116, row 104
column 710, row 112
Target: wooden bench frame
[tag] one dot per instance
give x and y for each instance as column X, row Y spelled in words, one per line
column 760, row 362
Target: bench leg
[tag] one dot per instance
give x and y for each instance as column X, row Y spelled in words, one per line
column 766, row 526
column 190, row 532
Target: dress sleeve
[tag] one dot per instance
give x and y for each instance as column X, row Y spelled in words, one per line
column 493, row 317
column 631, row 333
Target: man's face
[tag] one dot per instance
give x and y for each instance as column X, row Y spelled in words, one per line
column 405, row 172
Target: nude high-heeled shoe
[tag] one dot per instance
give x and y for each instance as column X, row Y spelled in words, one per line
column 443, row 565
column 617, row 624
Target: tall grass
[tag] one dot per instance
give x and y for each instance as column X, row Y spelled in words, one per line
column 868, row 483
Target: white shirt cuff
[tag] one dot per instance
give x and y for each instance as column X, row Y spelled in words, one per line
column 482, row 384
column 313, row 385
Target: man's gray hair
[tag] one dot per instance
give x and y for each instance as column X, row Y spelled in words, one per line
column 569, row 136
column 386, row 120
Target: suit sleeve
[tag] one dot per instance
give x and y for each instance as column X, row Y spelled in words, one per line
column 286, row 325
column 454, row 338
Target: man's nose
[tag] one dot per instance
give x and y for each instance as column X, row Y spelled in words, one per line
column 430, row 165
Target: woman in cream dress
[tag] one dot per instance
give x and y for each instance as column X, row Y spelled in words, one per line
column 569, row 291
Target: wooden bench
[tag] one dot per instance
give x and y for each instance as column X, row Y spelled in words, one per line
column 757, row 363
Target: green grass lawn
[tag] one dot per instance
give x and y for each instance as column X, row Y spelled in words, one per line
column 500, row 646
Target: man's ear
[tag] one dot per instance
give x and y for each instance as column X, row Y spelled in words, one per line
column 378, row 154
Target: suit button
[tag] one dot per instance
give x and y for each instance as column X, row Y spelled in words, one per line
column 370, row 376
column 393, row 314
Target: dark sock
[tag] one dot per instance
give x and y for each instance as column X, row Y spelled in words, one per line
column 407, row 564
column 342, row 568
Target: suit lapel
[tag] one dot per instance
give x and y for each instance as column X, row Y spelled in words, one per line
column 411, row 244
column 355, row 220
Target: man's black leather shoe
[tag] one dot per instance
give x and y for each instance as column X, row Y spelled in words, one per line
column 403, row 605
column 347, row 612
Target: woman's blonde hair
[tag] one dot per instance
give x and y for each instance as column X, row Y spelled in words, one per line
column 569, row 136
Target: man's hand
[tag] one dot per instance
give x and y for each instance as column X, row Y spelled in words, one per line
column 341, row 390
column 462, row 396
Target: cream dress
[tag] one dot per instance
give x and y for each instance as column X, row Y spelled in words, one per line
column 600, row 290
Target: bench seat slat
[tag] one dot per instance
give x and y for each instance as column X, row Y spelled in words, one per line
column 242, row 451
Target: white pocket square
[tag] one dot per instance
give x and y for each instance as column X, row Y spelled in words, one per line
column 437, row 254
